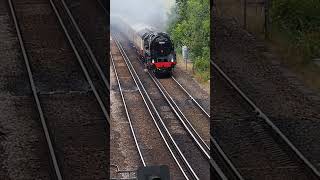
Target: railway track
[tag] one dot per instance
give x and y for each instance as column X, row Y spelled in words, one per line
column 188, row 111
column 86, row 58
column 68, row 98
column 194, row 150
column 198, row 120
column 256, row 146
column 88, row 14
column 20, row 131
column 104, row 4
column 147, row 133
column 278, row 153
column 192, row 114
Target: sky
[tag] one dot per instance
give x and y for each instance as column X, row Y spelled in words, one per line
column 149, row 12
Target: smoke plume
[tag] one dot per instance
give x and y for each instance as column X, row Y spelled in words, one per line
column 148, row 12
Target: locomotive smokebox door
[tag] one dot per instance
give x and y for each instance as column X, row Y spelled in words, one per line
column 153, row 173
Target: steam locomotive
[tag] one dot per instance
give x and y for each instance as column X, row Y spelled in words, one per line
column 155, row 48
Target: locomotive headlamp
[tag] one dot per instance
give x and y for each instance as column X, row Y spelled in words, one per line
column 152, row 60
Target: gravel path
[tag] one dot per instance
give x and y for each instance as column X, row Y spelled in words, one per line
column 193, row 87
column 123, row 151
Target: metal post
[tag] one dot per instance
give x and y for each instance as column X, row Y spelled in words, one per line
column 267, row 18
column 192, row 67
column 185, row 55
column 245, row 14
column 185, row 60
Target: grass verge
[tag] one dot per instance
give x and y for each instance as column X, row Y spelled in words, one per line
column 203, row 78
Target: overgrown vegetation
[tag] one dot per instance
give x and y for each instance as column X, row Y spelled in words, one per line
column 299, row 22
column 190, row 26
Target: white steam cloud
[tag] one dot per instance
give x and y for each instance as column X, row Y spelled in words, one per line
column 148, row 12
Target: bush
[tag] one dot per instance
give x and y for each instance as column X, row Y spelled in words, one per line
column 202, row 63
column 297, row 15
column 299, row 21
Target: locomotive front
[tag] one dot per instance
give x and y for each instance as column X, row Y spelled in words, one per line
column 154, row 48
column 159, row 53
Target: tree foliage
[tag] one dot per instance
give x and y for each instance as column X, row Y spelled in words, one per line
column 300, row 20
column 190, row 26
column 297, row 15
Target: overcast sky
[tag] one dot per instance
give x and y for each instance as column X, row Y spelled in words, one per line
column 150, row 12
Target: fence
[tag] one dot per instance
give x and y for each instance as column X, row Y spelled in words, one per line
column 252, row 15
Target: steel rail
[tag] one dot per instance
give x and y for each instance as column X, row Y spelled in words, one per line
column 204, row 147
column 35, row 95
column 104, row 9
column 84, row 69
column 153, row 118
column 89, row 50
column 130, row 67
column 127, row 112
column 193, row 133
column 218, row 170
column 212, row 162
column 215, row 143
column 192, row 98
column 267, row 120
column 164, row 91
column 235, row 172
column 197, row 138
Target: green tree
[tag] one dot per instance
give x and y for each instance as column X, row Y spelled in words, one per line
column 190, row 26
column 299, row 21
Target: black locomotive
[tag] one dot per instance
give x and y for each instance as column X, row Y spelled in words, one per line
column 155, row 48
